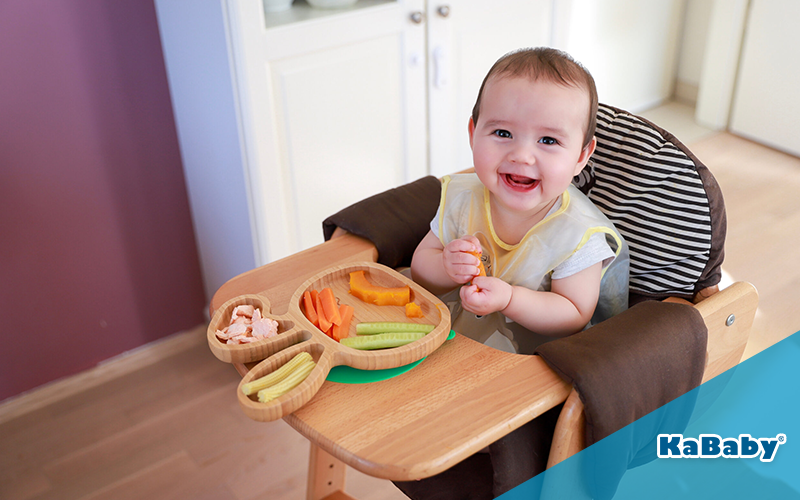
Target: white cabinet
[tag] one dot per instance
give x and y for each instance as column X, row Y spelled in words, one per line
column 332, row 111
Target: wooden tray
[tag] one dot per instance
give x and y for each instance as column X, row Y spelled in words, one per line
column 296, row 333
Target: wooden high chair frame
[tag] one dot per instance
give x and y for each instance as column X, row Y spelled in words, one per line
column 463, row 397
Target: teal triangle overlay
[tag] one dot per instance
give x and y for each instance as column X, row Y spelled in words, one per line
column 759, row 397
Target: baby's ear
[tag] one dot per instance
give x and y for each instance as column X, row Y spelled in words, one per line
column 586, row 153
column 471, row 129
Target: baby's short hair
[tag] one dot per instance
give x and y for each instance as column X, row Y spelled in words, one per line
column 551, row 65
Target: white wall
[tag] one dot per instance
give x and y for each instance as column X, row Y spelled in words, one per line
column 630, row 47
column 723, row 42
column 693, row 41
column 765, row 104
column 196, row 56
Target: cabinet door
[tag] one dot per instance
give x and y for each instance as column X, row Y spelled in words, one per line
column 329, row 116
column 464, row 39
column 765, row 106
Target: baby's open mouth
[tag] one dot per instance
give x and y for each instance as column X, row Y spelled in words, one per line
column 520, row 182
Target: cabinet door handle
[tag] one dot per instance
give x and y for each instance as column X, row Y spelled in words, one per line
column 440, row 67
column 416, row 17
column 443, row 10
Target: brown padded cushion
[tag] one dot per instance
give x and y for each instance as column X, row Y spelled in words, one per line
column 664, row 202
column 627, row 367
column 631, row 364
column 712, row 274
column 395, row 221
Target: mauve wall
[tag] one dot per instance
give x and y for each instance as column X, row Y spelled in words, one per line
column 97, row 251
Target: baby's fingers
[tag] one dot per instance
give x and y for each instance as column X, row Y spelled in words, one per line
column 462, row 245
column 473, row 299
column 462, row 274
column 472, row 240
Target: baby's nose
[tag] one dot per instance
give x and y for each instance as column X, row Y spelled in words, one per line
column 523, row 154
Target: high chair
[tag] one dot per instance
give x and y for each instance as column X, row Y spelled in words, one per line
column 465, row 396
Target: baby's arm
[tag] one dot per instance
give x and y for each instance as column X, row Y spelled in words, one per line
column 440, row 269
column 564, row 310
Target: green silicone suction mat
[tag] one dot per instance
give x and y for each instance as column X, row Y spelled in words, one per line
column 349, row 375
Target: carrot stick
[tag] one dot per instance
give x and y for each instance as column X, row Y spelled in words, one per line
column 324, row 323
column 314, row 294
column 310, row 309
column 342, row 330
column 481, row 268
column 329, row 306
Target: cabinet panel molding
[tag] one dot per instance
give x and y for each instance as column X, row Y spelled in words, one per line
column 340, row 122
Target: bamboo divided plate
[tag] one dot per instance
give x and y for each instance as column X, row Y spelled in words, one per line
column 296, row 334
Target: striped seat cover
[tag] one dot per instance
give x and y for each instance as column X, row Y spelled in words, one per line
column 652, row 190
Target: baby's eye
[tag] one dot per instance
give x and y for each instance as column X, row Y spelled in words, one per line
column 548, row 140
column 505, row 134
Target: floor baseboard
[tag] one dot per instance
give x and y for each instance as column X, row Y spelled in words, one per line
column 123, row 364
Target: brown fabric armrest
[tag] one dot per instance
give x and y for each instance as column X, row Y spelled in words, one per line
column 631, row 364
column 395, row 221
column 623, row 369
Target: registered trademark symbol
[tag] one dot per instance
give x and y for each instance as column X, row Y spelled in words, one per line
column 781, row 437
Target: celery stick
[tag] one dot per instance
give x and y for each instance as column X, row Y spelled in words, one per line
column 276, row 376
column 382, row 340
column 388, row 327
column 294, row 379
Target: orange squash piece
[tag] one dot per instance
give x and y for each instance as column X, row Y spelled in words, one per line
column 310, row 309
column 413, row 310
column 379, row 295
column 342, row 330
column 329, row 306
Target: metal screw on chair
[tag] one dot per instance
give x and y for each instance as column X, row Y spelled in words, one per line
column 416, row 17
column 730, row 320
column 443, row 10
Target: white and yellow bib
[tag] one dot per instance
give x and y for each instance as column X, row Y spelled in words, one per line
column 464, row 210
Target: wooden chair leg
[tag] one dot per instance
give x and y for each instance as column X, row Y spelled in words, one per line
column 326, row 475
column 568, row 438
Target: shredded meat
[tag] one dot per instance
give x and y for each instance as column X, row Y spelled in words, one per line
column 247, row 325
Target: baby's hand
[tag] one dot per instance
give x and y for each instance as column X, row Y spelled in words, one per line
column 459, row 264
column 485, row 295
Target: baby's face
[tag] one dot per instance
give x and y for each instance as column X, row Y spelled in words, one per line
column 528, row 142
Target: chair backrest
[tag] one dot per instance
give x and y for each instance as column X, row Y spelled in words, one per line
column 663, row 200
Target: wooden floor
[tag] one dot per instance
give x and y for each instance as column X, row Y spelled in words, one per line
column 169, row 430
column 169, row 426
column 761, row 188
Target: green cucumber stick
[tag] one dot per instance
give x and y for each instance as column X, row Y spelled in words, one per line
column 388, row 327
column 381, row 340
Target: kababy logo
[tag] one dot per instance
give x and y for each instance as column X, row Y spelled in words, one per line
column 713, row 446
